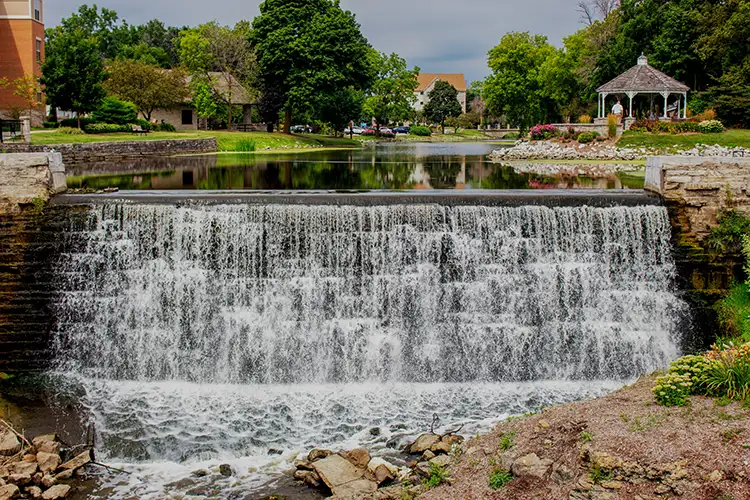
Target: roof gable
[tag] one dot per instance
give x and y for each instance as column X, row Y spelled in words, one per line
column 456, row 79
column 643, row 78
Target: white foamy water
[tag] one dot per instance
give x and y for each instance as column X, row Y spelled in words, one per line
column 211, row 334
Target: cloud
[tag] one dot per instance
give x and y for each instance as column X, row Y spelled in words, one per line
column 447, row 36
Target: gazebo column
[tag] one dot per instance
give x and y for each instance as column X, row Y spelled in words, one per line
column 630, row 98
column 666, row 101
column 684, row 110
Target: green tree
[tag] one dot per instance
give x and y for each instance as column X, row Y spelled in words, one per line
column 340, row 107
column 203, row 100
column 391, row 96
column 309, row 48
column 73, row 73
column 515, row 88
column 443, row 104
column 147, row 86
column 103, row 26
column 112, row 110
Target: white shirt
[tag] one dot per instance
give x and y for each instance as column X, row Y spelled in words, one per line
column 617, row 109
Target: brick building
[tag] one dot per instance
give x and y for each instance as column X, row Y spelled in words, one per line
column 21, row 49
column 427, row 82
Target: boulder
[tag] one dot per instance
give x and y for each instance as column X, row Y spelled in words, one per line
column 303, row 465
column 37, row 478
column 383, row 474
column 9, row 444
column 356, row 490
column 343, row 478
column 317, row 454
column 308, row 477
column 427, row 455
column 561, row 473
column 29, row 458
column 34, row 492
column 441, row 461
column 225, row 470
column 9, row 491
column 446, row 443
column 64, row 475
column 376, row 462
column 56, row 492
column 48, row 443
column 424, row 443
column 19, row 479
column 48, row 481
column 195, row 473
column 78, row 461
column 359, row 457
column 28, row 468
column 47, row 462
column 531, row 465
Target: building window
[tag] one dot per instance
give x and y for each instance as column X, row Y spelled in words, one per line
column 38, row 10
column 187, row 116
column 38, row 51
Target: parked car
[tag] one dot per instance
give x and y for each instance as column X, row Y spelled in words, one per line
column 300, row 129
column 357, row 130
column 386, row 132
column 401, row 130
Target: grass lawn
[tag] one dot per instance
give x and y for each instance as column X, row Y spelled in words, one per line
column 228, row 141
column 730, row 138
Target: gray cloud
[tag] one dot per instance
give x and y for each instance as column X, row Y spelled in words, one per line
column 446, row 36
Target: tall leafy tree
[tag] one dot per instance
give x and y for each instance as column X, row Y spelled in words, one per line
column 73, row 72
column 340, row 107
column 308, row 48
column 443, row 103
column 391, row 96
column 147, row 86
column 203, row 100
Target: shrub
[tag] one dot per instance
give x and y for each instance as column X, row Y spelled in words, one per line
column 586, row 137
column 734, row 312
column 508, row 441
column 70, row 131
column 585, row 119
column 499, row 478
column 165, row 127
column 144, row 124
column 706, row 115
column 106, row 128
column 113, row 110
column 696, row 368
column 50, row 124
column 540, row 132
column 711, row 127
column 512, row 135
column 437, row 476
column 73, row 122
column 420, row 131
column 672, row 389
column 613, row 122
column 729, row 374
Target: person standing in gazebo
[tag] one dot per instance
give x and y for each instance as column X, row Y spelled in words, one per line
column 617, row 110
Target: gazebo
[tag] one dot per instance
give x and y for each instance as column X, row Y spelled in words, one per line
column 644, row 79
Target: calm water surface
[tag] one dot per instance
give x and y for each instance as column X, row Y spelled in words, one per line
column 412, row 166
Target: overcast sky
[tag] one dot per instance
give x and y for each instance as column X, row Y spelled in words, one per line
column 439, row 36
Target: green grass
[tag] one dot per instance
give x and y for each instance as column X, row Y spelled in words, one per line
column 730, row 138
column 734, row 312
column 499, row 478
column 228, row 141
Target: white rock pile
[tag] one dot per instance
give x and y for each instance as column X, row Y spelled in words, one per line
column 716, row 150
column 549, row 150
column 36, row 470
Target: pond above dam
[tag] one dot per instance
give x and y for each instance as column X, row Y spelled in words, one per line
column 399, row 166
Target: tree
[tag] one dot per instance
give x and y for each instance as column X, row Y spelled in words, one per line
column 27, row 88
column 307, row 49
column 73, row 73
column 340, row 107
column 391, row 96
column 443, row 104
column 112, row 110
column 203, row 100
column 213, row 48
column 103, row 26
column 269, row 106
column 514, row 88
column 147, row 86
column 591, row 10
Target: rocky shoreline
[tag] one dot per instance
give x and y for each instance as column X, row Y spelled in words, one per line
column 553, row 150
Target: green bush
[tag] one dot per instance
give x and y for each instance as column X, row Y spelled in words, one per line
column 144, row 124
column 112, row 110
column 73, row 122
column 165, row 127
column 420, row 131
column 70, row 131
column 711, row 127
column 672, row 389
column 499, row 478
column 50, row 124
column 512, row 135
column 695, row 367
column 734, row 312
column 106, row 128
column 729, row 374
column 437, row 476
column 586, row 137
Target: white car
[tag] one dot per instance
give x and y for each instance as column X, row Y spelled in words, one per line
column 356, row 130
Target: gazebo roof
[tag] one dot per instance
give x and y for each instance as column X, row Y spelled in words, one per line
column 643, row 78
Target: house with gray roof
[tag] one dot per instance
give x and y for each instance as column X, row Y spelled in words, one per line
column 643, row 79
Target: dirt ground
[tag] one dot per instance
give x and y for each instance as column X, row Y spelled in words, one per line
column 622, row 446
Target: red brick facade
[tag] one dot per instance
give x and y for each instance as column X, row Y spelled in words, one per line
column 18, row 57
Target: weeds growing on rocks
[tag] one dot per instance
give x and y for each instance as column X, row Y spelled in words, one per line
column 507, row 441
column 437, row 476
column 499, row 478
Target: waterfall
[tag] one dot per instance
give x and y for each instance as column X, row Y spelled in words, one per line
column 336, row 294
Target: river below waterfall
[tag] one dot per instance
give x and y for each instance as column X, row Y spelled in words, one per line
column 194, row 335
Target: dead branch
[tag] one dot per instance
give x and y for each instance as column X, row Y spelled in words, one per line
column 11, row 429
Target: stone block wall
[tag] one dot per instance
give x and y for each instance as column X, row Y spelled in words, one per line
column 74, row 155
column 698, row 188
column 25, row 177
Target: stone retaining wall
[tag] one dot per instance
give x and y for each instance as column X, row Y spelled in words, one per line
column 697, row 188
column 25, row 177
column 74, row 155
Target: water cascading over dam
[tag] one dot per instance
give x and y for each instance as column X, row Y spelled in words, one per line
column 223, row 330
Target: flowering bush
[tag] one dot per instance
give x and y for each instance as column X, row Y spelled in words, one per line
column 586, row 137
column 695, row 367
column 672, row 389
column 539, row 132
column 729, row 374
column 656, row 126
column 711, row 127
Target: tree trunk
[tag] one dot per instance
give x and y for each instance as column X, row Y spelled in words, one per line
column 229, row 115
column 442, row 127
column 288, row 120
column 269, row 127
column 78, row 116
